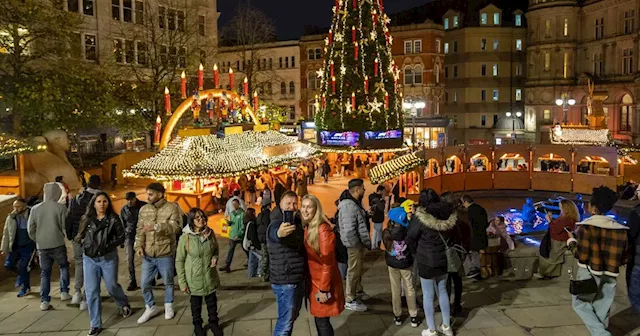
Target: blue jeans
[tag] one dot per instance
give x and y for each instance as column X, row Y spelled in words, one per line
column 428, row 292
column 377, row 235
column 289, row 299
column 232, row 249
column 255, row 263
column 594, row 310
column 47, row 258
column 18, row 261
column 105, row 267
column 150, row 268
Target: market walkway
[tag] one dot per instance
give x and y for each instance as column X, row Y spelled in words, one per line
column 247, row 307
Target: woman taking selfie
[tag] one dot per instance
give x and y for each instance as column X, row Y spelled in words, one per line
column 196, row 261
column 100, row 233
column 325, row 292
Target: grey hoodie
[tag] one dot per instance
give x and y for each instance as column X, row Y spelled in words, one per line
column 46, row 221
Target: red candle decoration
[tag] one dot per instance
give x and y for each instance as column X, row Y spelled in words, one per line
column 355, row 51
column 333, row 84
column 355, row 4
column 331, row 67
column 324, row 101
column 381, row 6
column 156, row 133
column 255, row 101
column 246, row 87
column 330, row 37
column 366, row 84
column 353, row 33
column 337, row 5
column 386, row 100
column 353, row 99
column 201, row 77
column 216, row 80
column 183, row 85
column 376, row 67
column 374, row 14
column 167, row 101
column 231, row 81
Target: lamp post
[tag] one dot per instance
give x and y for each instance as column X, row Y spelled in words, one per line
column 413, row 107
column 565, row 102
column 513, row 124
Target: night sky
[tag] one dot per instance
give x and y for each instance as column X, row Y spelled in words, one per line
column 290, row 16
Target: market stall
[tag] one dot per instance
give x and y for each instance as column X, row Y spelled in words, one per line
column 594, row 166
column 453, row 169
column 479, row 168
column 512, row 167
column 551, row 168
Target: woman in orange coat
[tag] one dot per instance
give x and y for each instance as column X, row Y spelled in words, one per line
column 325, row 292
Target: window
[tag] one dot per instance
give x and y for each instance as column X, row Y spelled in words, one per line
column 455, row 21
column 408, row 45
column 446, row 72
column 318, row 54
column 286, row 62
column 518, row 69
column 455, row 71
column 627, row 61
column 292, row 112
column 566, row 28
column 496, row 18
column 629, row 21
column 484, row 70
column 280, row 62
column 311, row 54
column 72, row 6
column 311, row 109
column 599, row 28
column 181, row 21
column 142, row 53
column 201, row 25
column 127, row 10
column 292, row 87
column 90, row 47
column 626, row 113
column 547, row 28
column 162, row 16
column 547, row 61
column 139, row 12
column 118, row 50
column 495, row 119
column 446, row 24
column 408, row 75
column 436, row 70
column 483, row 120
column 518, row 20
column 182, row 58
column 173, row 57
column 115, row 9
column 483, row 18
column 130, row 52
column 598, row 65
column 438, row 44
column 269, row 88
column 283, row 88
column 171, row 19
column 238, row 65
column 455, row 46
column 565, row 65
column 446, row 96
column 446, row 47
column 455, row 96
column 495, row 94
column 163, row 54
column 495, row 70
column 417, row 74
column 417, row 46
column 87, row 7
column 518, row 94
column 496, row 44
column 483, row 95
column 270, row 63
column 519, row 45
column 293, row 61
column 483, row 44
column 546, row 115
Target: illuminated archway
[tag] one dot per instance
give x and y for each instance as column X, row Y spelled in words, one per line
column 511, row 162
column 453, row 165
column 186, row 105
column 594, row 165
column 478, row 163
column 432, row 169
column 552, row 163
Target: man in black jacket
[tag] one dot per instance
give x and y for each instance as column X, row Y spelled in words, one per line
column 479, row 239
column 278, row 190
column 287, row 257
column 77, row 209
column 376, row 210
column 129, row 217
column 262, row 222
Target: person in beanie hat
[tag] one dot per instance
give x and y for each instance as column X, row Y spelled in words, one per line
column 129, row 218
column 158, row 223
column 400, row 262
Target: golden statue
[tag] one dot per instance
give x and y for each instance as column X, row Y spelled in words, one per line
column 595, row 110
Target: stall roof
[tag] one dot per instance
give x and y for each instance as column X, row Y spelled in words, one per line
column 394, row 168
column 579, row 136
column 212, row 157
column 11, row 146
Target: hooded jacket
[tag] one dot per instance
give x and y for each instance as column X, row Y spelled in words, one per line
column 77, row 209
column 11, row 230
column 601, row 245
column 353, row 223
column 427, row 230
column 193, row 262
column 166, row 219
column 129, row 217
column 47, row 220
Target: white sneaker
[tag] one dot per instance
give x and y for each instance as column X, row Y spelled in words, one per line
column 428, row 332
column 65, row 297
column 168, row 311
column 77, row 298
column 355, row 306
column 44, row 305
column 147, row 314
column 446, row 330
column 83, row 305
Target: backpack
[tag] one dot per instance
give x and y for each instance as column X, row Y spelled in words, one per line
column 454, row 255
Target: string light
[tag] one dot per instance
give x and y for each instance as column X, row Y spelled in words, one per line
column 11, row 146
column 579, row 136
column 394, row 168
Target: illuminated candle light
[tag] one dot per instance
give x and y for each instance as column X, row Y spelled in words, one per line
column 374, row 14
column 376, row 67
column 183, row 85
column 255, row 101
column 167, row 101
column 156, row 133
column 246, row 87
column 355, row 4
column 366, row 84
column 231, row 81
column 330, row 37
column 331, row 67
column 386, row 100
column 201, row 77
column 353, row 33
column 324, row 101
column 333, row 84
column 353, row 99
column 355, row 51
column 216, row 80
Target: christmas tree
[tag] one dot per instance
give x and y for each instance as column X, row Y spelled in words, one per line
column 359, row 82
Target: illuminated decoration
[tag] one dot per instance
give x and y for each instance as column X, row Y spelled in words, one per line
column 210, row 157
column 395, row 168
column 11, row 146
column 353, row 150
column 579, row 136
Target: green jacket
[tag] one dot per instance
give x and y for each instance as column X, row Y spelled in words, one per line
column 236, row 223
column 193, row 263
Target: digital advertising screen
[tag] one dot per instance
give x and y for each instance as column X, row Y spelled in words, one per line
column 344, row 139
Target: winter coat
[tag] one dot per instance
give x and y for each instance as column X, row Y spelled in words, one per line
column 236, row 224
column 129, row 217
column 556, row 228
column 377, row 204
column 479, row 224
column 251, row 228
column 166, row 219
column 77, row 209
column 262, row 221
column 287, row 255
column 324, row 275
column 397, row 254
column 601, row 245
column 11, row 229
column 425, row 242
column 353, row 224
column 46, row 222
column 193, row 262
column 100, row 237
column 278, row 191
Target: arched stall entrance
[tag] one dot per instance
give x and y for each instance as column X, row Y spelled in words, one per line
column 512, row 167
column 453, row 171
column 433, row 171
column 551, row 168
column 479, row 162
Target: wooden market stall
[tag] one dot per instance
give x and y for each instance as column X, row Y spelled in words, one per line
column 479, row 162
column 433, row 169
column 551, row 168
column 453, row 169
column 594, row 167
column 512, row 167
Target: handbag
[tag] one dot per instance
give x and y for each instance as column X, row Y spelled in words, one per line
column 583, row 287
column 454, row 261
column 545, row 245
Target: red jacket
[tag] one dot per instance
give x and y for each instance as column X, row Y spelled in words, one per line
column 556, row 228
column 324, row 273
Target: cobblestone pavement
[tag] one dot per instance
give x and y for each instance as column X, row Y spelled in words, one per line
column 247, row 306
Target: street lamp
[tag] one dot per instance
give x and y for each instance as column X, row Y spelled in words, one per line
column 413, row 107
column 565, row 102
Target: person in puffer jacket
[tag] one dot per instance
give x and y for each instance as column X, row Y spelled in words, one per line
column 354, row 233
column 196, row 261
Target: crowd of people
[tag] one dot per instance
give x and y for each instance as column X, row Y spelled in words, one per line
column 304, row 253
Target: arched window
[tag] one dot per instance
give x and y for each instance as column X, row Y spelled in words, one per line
column 408, row 75
column 283, row 88
column 269, row 88
column 311, row 81
column 417, row 74
column 292, row 87
column 436, row 71
column 310, row 54
column 626, row 113
column 311, row 109
column 318, row 53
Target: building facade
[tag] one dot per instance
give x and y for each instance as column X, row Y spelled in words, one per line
column 484, row 71
column 273, row 69
column 572, row 42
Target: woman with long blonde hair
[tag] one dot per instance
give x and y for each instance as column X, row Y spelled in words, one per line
column 551, row 267
column 325, row 293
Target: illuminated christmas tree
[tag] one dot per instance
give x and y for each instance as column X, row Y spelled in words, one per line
column 359, row 82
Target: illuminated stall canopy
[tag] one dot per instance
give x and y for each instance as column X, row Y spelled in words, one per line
column 512, row 162
column 595, row 165
column 552, row 163
column 432, row 169
column 478, row 163
column 453, row 165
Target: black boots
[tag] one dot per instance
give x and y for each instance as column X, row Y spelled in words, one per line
column 198, row 330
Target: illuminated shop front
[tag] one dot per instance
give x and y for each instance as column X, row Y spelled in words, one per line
column 432, row 132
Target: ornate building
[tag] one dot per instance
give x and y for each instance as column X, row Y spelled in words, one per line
column 570, row 42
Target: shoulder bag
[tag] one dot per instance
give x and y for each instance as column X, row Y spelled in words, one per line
column 454, row 261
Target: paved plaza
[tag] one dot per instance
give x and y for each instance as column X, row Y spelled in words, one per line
column 493, row 307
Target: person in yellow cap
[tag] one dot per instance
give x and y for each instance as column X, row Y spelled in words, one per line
column 408, row 207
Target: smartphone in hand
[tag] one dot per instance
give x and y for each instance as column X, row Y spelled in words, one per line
column 288, row 217
column 566, row 228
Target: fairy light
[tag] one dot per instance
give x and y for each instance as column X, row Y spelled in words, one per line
column 395, row 168
column 10, row 146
